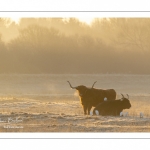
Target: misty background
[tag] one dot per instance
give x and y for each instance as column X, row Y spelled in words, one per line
column 69, row 46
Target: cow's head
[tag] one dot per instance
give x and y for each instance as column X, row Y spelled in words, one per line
column 81, row 88
column 125, row 102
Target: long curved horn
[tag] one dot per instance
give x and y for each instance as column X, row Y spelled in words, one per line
column 122, row 96
column 71, row 85
column 128, row 96
column 93, row 84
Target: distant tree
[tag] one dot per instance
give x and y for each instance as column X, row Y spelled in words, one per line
column 67, row 45
column 131, row 33
column 2, row 44
column 34, row 38
column 3, row 56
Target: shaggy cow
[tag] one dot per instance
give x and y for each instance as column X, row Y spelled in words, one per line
column 92, row 97
column 112, row 108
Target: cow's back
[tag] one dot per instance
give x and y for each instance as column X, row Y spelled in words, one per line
column 98, row 95
column 110, row 94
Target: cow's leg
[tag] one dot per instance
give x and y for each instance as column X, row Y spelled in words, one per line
column 89, row 108
column 85, row 109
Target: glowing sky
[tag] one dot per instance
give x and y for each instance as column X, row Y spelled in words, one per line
column 87, row 20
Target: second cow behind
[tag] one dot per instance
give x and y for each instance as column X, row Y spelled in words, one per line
column 112, row 108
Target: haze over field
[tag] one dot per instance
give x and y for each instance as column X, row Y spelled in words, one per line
column 39, row 55
column 67, row 45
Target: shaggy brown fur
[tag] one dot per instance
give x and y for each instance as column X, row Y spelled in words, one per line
column 91, row 97
column 113, row 108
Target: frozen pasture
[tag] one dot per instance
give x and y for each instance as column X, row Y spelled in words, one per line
column 45, row 103
column 66, row 115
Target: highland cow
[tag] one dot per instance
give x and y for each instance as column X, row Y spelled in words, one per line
column 112, row 108
column 91, row 97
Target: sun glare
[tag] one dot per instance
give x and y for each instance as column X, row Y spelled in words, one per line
column 16, row 19
column 87, row 20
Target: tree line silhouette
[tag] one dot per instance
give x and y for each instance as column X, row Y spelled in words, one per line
column 67, row 45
